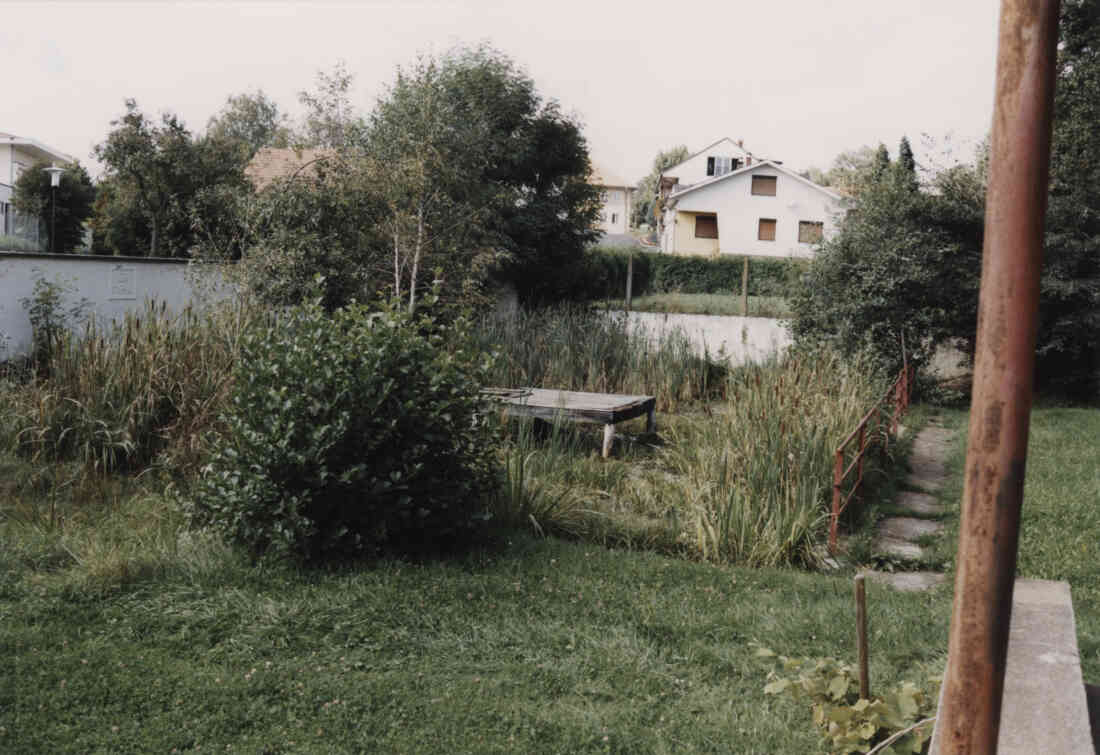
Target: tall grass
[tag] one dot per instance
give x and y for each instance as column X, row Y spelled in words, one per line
column 755, row 482
column 577, row 348
column 117, row 395
column 741, row 481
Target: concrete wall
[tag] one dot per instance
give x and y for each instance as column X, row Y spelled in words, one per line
column 742, row 339
column 111, row 286
column 739, row 212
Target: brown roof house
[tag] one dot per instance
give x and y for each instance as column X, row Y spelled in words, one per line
column 270, row 163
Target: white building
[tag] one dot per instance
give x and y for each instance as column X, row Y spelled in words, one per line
column 724, row 200
column 617, row 197
column 17, row 154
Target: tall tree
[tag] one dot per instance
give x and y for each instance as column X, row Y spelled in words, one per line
column 645, row 197
column 331, row 119
column 74, row 197
column 906, row 166
column 156, row 171
column 252, row 120
column 484, row 175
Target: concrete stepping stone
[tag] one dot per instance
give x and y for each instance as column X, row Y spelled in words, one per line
column 907, row 528
column 919, row 504
column 903, row 550
column 907, row 581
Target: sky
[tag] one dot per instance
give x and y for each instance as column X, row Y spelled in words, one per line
column 797, row 80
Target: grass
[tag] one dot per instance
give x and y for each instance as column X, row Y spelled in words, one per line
column 704, row 304
column 1060, row 519
column 531, row 645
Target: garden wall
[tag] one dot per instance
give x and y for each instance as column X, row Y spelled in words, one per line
column 109, row 287
column 740, row 339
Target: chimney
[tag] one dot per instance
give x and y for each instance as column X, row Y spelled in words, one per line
column 741, row 143
column 748, row 161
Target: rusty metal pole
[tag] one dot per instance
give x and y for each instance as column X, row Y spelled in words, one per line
column 1000, row 409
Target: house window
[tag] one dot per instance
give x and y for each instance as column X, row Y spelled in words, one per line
column 706, row 226
column 614, row 218
column 763, row 186
column 767, row 229
column 720, row 166
column 810, row 232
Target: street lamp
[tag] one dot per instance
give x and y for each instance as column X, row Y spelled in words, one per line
column 55, row 181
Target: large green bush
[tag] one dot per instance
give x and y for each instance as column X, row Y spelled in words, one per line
column 350, row 432
column 602, row 273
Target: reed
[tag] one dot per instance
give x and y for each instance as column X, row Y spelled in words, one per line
column 577, row 348
column 744, row 480
column 116, row 396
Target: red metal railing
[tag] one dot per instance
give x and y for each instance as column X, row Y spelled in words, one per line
column 889, row 409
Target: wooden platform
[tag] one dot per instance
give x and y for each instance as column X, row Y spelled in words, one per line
column 600, row 408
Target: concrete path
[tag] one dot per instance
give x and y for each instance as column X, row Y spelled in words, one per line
column 900, row 537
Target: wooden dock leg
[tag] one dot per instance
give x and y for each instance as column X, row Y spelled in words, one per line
column 651, row 420
column 608, row 436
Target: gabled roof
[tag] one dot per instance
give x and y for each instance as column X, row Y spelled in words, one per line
column 270, row 163
column 40, row 151
column 748, row 169
column 704, row 149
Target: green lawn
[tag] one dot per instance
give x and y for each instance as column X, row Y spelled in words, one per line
column 140, row 639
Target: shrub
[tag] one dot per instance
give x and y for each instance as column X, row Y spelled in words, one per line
column 349, row 433
column 602, row 273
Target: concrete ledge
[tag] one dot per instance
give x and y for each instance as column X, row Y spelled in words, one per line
column 1044, row 709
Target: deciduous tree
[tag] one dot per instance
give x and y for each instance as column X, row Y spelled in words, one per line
column 74, row 198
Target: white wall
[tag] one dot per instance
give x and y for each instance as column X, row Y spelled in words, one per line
column 615, row 212
column 739, row 213
column 111, row 286
column 5, row 164
column 741, row 339
column 694, row 169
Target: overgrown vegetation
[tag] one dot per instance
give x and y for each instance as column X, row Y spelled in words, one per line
column 906, row 259
column 576, row 348
column 115, row 397
column 904, row 267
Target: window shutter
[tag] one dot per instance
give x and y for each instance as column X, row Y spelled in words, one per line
column 767, row 229
column 763, row 186
column 706, row 226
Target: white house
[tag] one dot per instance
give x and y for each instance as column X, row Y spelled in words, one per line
column 17, row 154
column 724, row 200
column 617, row 197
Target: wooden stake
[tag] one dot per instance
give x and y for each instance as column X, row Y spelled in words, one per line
column 629, row 278
column 745, row 288
column 861, row 637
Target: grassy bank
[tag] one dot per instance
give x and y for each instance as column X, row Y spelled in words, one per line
column 534, row 645
column 704, row 304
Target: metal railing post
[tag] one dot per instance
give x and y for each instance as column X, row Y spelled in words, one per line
column 970, row 711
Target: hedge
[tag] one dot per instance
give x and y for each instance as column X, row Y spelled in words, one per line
column 602, row 273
